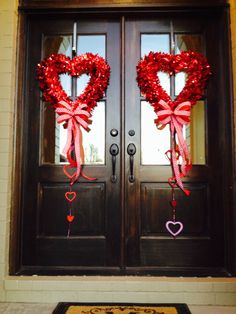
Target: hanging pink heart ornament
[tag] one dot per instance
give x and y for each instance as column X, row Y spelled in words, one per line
column 174, row 227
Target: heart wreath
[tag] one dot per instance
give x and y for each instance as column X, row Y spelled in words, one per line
column 73, row 113
column 76, row 113
column 175, row 112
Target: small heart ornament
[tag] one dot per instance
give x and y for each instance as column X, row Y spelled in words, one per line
column 70, row 218
column 70, row 196
column 69, row 173
column 173, row 203
column 174, row 227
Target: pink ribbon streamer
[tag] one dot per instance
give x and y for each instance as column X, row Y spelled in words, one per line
column 72, row 116
column 176, row 118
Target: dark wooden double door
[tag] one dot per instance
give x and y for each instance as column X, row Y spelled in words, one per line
column 119, row 225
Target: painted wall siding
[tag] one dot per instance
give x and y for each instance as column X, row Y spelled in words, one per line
column 194, row 291
column 8, row 27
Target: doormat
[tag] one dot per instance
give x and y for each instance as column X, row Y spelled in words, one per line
column 121, row 308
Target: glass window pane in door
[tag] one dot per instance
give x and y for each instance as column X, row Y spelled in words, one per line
column 94, row 140
column 195, row 131
column 50, row 141
column 95, row 44
column 157, row 43
column 185, row 42
column 59, row 45
column 154, row 142
column 196, row 128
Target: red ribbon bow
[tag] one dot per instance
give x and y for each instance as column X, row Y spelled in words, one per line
column 176, row 118
column 72, row 116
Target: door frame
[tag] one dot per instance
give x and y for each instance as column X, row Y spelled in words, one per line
column 27, row 9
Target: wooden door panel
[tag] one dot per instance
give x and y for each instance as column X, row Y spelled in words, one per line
column 95, row 231
column 173, row 254
column 149, row 245
column 155, row 210
column 68, row 252
column 90, row 219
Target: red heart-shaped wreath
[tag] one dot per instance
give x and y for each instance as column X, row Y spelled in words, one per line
column 174, row 112
column 49, row 69
column 193, row 63
column 77, row 112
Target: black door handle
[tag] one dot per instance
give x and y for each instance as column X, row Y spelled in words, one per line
column 131, row 150
column 114, row 151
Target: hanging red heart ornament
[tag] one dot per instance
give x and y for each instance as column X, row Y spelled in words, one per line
column 70, row 218
column 70, row 196
column 67, row 172
column 175, row 112
column 173, row 203
column 73, row 114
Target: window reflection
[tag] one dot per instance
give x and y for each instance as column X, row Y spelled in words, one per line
column 93, row 141
column 50, row 129
column 157, row 43
column 63, row 45
column 154, row 142
column 184, row 42
column 57, row 44
column 195, row 131
column 196, row 128
column 95, row 44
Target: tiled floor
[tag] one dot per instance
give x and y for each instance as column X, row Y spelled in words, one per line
column 34, row 308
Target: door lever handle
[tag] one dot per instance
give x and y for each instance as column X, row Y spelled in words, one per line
column 114, row 151
column 131, row 150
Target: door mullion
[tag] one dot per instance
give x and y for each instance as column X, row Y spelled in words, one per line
column 122, row 145
column 172, row 51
